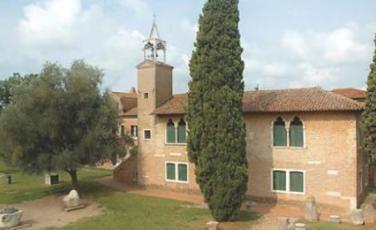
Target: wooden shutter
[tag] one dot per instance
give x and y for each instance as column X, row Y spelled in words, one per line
column 170, row 171
column 296, row 133
column 182, row 172
column 182, row 132
column 279, row 180
column 279, row 133
column 170, row 132
column 296, row 182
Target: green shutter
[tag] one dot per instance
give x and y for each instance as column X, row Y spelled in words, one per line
column 296, row 133
column 279, row 180
column 279, row 135
column 296, row 136
column 183, row 172
column 296, row 182
column 170, row 171
column 182, row 134
column 170, row 133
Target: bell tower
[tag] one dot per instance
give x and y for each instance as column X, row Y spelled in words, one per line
column 154, row 46
column 154, row 88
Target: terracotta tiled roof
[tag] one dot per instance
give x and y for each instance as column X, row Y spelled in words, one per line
column 128, row 103
column 176, row 105
column 132, row 112
column 123, row 94
column 351, row 93
column 297, row 100
column 285, row 100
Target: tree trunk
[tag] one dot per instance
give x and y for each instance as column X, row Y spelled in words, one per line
column 74, row 179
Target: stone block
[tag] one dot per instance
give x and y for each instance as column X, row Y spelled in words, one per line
column 212, row 225
column 300, row 226
column 72, row 200
column 283, row 223
column 335, row 219
column 10, row 218
column 310, row 209
column 357, row 217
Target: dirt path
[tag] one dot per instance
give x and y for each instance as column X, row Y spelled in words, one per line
column 49, row 212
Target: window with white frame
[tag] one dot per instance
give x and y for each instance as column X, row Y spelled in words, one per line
column 176, row 172
column 289, row 134
column 147, row 134
column 288, row 180
column 176, row 134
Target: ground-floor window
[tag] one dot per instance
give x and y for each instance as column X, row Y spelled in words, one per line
column 177, row 172
column 288, row 180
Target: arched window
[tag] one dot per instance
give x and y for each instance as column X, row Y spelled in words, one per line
column 279, row 133
column 170, row 132
column 182, row 133
column 296, row 133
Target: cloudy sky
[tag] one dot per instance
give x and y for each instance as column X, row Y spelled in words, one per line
column 288, row 43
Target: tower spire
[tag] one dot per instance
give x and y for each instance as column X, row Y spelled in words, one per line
column 154, row 44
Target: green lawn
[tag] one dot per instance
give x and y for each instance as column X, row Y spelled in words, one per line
column 124, row 210
column 30, row 187
column 136, row 212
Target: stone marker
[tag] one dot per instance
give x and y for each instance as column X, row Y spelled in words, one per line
column 310, row 209
column 72, row 199
column 369, row 213
column 283, row 223
column 250, row 206
column 335, row 219
column 300, row 226
column 10, row 217
column 212, row 225
column 357, row 217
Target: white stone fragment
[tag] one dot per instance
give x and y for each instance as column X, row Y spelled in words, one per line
column 10, row 219
column 72, row 199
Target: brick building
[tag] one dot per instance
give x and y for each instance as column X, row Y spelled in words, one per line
column 300, row 142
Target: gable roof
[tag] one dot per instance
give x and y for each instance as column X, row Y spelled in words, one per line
column 284, row 100
column 356, row 94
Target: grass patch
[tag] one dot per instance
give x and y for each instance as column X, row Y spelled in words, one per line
column 29, row 187
column 123, row 210
column 131, row 211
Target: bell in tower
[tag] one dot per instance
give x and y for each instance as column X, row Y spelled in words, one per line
column 154, row 46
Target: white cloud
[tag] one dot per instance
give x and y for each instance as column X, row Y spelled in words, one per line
column 341, row 46
column 313, row 75
column 338, row 46
column 267, row 69
column 139, row 7
column 50, row 22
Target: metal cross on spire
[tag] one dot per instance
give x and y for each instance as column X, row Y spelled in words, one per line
column 154, row 44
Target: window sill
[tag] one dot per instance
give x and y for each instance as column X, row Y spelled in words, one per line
column 177, row 181
column 176, row 144
column 288, row 193
column 288, row 147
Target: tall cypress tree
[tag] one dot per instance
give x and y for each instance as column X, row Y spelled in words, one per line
column 369, row 114
column 216, row 141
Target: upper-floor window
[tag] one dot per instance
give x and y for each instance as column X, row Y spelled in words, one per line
column 182, row 132
column 279, row 133
column 171, row 134
column 146, row 95
column 296, row 133
column 134, row 131
column 176, row 134
column 147, row 134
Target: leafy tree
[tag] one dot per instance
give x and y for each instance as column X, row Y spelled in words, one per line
column 61, row 120
column 368, row 120
column 7, row 86
column 216, row 140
